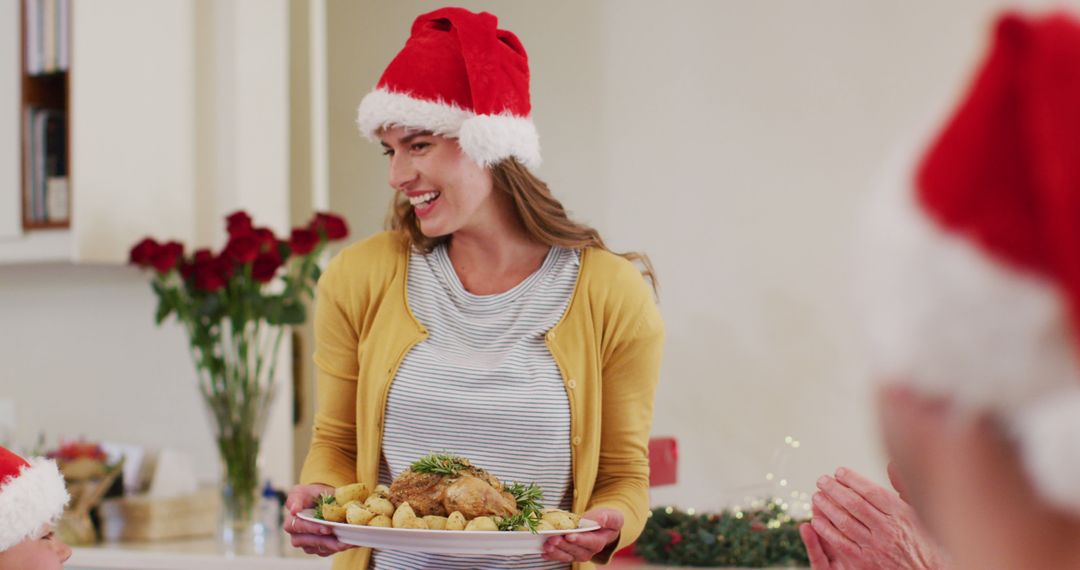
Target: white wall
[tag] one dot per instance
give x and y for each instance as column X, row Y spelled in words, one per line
column 10, row 123
column 731, row 141
column 82, row 357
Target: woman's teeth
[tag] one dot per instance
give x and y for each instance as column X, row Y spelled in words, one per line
column 423, row 198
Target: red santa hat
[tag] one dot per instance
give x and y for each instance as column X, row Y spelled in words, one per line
column 459, row 76
column 32, row 494
column 975, row 286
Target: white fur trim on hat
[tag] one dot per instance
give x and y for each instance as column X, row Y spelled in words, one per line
column 945, row 316
column 382, row 108
column 491, row 138
column 486, row 139
column 34, row 498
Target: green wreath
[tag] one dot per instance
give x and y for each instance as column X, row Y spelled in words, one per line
column 757, row 538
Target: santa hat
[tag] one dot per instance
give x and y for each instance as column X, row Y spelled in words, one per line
column 974, row 281
column 32, row 494
column 459, row 76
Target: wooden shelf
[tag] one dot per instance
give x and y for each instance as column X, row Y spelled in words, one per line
column 48, row 91
column 31, row 225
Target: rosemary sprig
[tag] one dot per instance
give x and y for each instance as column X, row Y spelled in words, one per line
column 529, row 504
column 325, row 499
column 440, row 464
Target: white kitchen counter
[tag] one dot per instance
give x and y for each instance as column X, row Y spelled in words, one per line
column 206, row 555
column 186, row 555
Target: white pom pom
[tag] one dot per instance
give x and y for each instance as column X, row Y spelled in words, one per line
column 1049, row 436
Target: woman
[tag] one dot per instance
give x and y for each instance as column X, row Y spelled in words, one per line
column 486, row 322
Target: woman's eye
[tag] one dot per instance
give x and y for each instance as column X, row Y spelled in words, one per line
column 418, row 146
column 388, row 152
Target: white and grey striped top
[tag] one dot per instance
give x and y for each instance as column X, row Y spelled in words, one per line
column 483, row 385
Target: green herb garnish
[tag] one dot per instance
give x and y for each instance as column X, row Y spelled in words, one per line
column 528, row 499
column 440, row 464
column 325, row 499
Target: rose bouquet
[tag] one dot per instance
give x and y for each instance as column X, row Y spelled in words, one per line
column 236, row 306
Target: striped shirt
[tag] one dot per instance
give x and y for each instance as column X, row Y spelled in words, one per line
column 485, row 386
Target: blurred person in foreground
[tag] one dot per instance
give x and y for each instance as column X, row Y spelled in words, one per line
column 972, row 292
column 32, row 498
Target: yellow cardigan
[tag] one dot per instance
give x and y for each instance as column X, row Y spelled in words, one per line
column 607, row 347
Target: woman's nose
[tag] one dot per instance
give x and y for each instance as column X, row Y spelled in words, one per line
column 65, row 552
column 401, row 171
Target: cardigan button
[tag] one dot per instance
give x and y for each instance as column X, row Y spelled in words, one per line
column 551, row 335
column 576, row 440
column 572, row 383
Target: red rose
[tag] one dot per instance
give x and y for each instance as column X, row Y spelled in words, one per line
column 208, row 279
column 265, row 238
column 223, row 266
column 143, row 252
column 213, row 273
column 242, row 248
column 757, row 527
column 167, row 256
column 265, row 266
column 238, row 223
column 333, row 227
column 201, row 257
column 303, row 241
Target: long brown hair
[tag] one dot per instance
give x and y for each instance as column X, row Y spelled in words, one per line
column 542, row 216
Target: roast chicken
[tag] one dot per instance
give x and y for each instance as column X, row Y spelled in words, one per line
column 471, row 490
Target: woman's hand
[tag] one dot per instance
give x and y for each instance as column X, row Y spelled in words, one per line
column 311, row 537
column 582, row 546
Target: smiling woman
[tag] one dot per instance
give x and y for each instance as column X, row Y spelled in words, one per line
column 485, row 321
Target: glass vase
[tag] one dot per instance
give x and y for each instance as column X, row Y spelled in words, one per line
column 238, row 432
column 236, row 359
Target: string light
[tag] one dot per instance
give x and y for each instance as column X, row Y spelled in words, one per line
column 690, row 511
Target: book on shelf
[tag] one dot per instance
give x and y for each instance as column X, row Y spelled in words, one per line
column 46, row 40
column 45, row 186
column 63, row 42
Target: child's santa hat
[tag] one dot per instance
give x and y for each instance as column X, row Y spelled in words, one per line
column 974, row 281
column 32, row 494
column 459, row 76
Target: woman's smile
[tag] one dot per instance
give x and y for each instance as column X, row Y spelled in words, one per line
column 424, row 203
